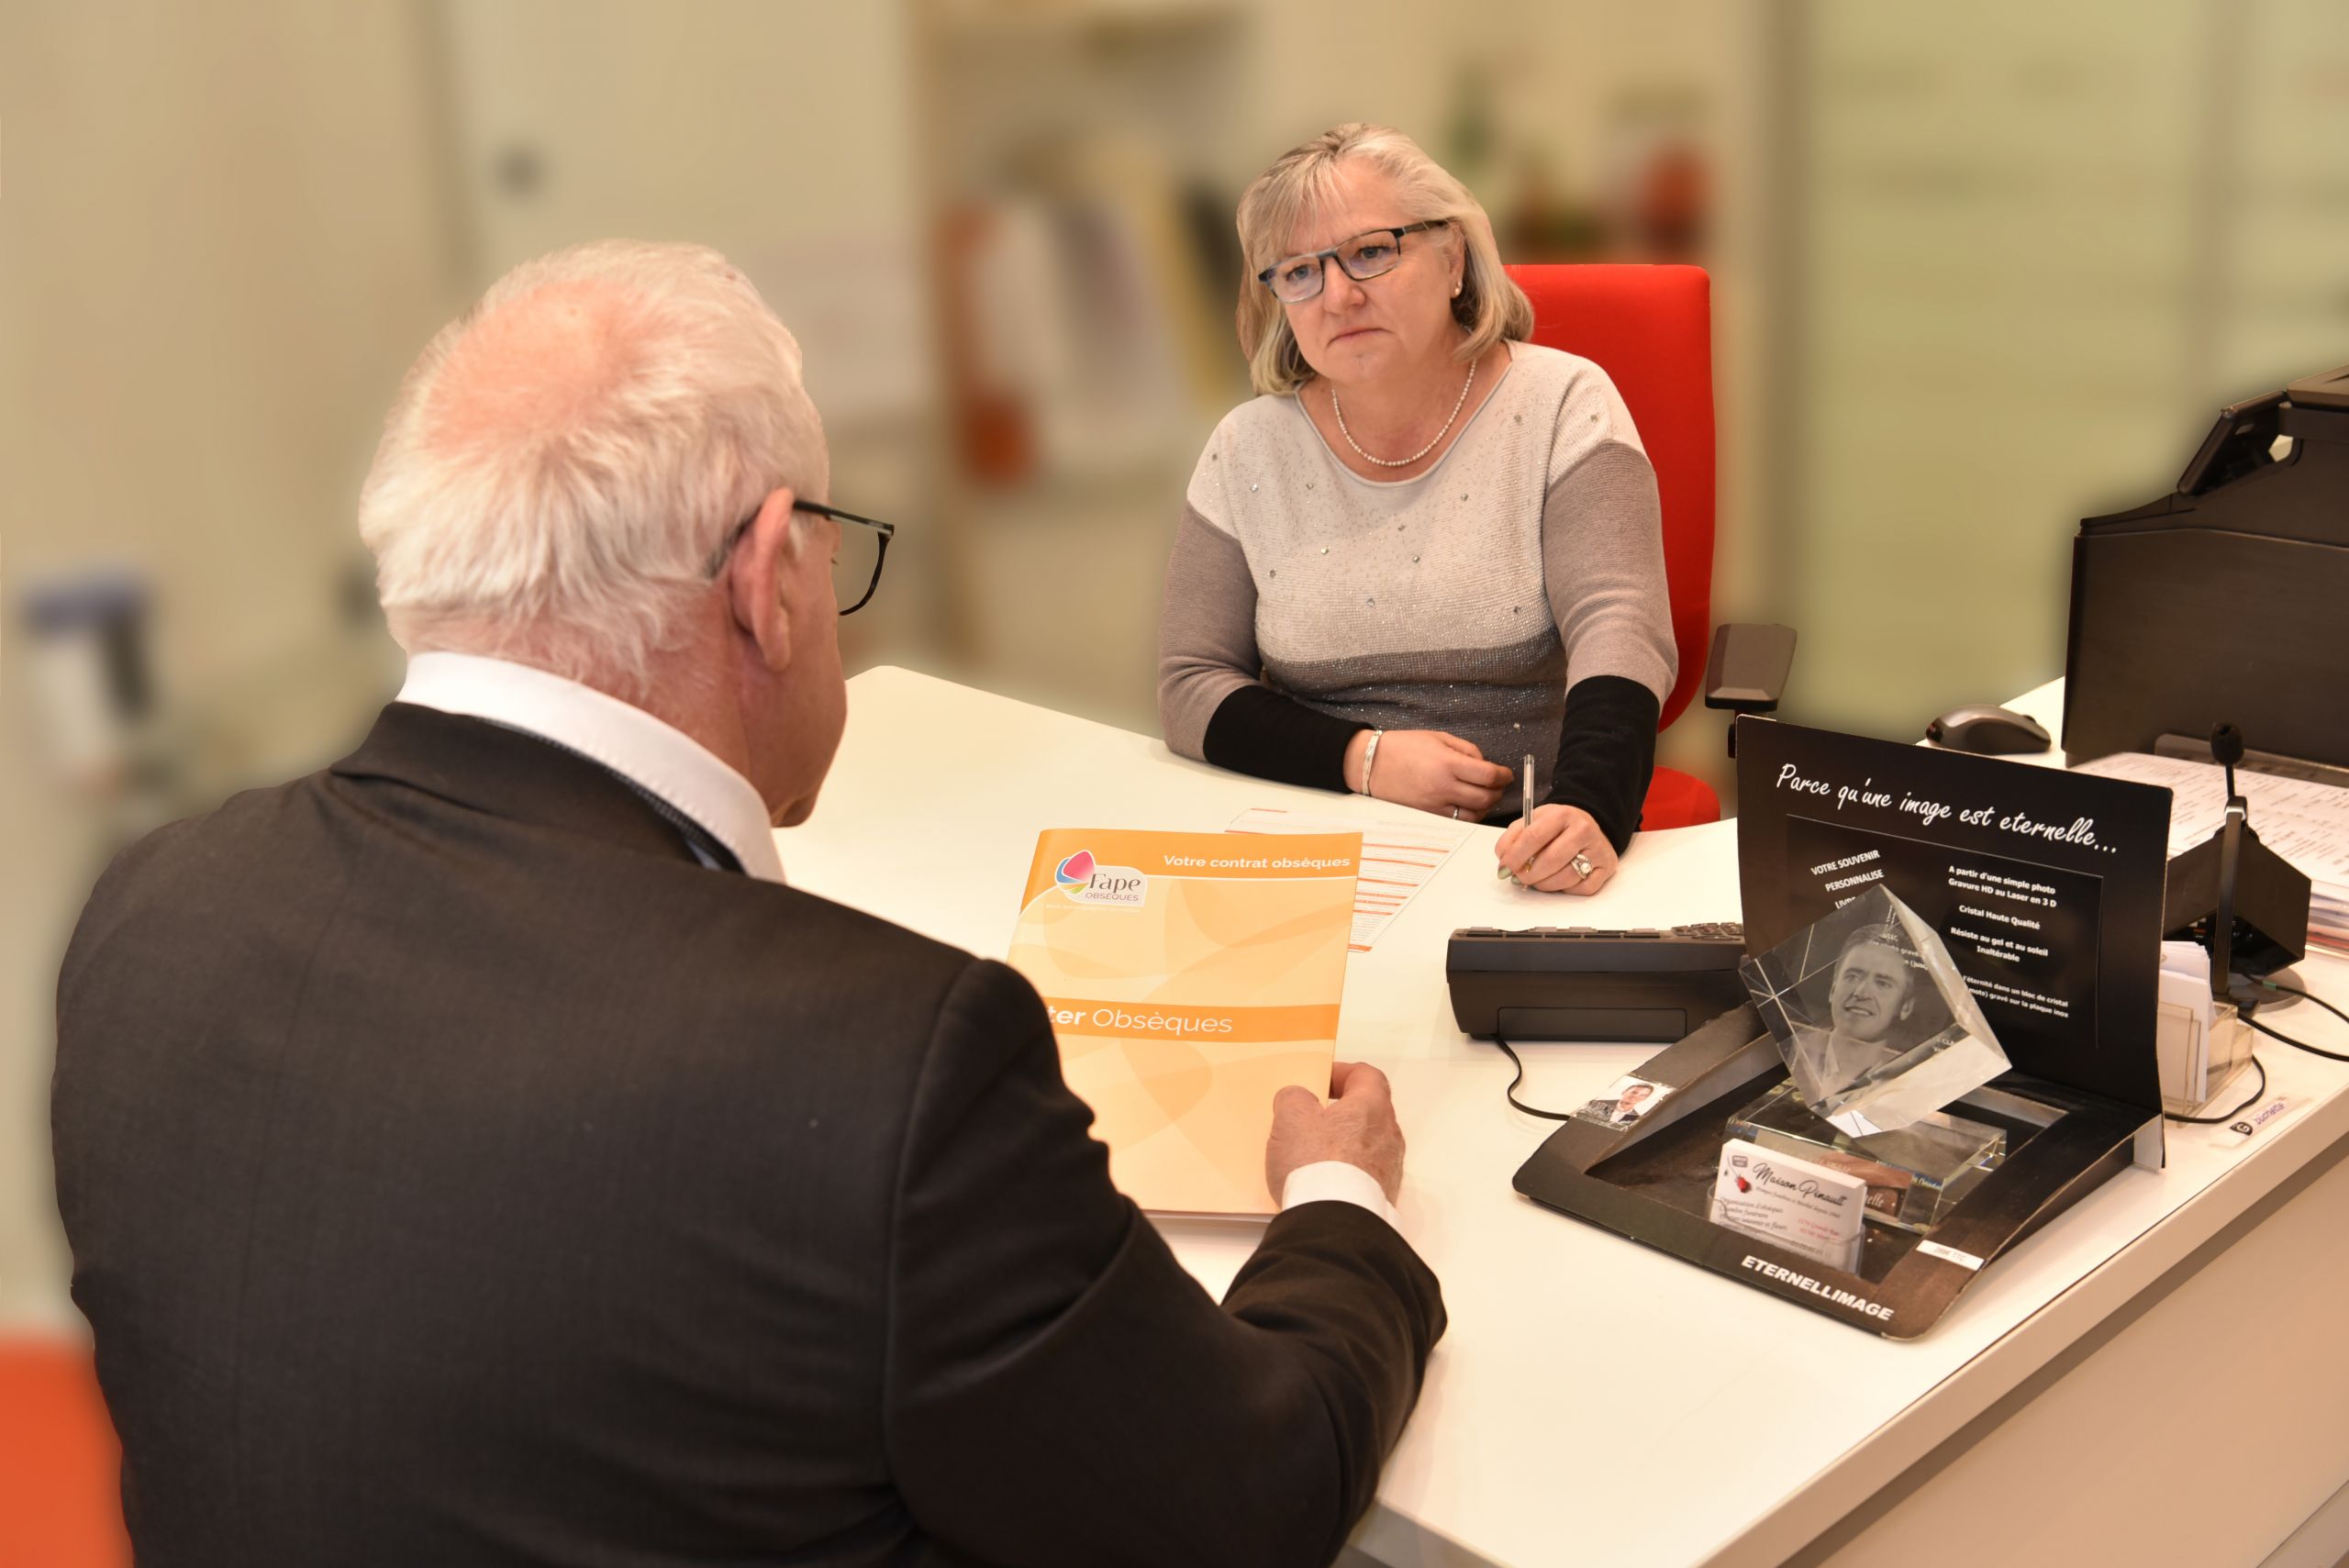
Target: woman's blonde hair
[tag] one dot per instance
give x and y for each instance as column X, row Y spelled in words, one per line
column 1302, row 182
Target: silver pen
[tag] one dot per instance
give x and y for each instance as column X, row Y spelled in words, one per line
column 1524, row 812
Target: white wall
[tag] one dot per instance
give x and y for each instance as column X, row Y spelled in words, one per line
column 219, row 243
column 2039, row 249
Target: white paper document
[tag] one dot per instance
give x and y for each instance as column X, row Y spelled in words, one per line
column 2307, row 823
column 1399, row 858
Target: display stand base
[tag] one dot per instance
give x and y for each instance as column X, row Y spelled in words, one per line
column 1654, row 1180
column 1915, row 1175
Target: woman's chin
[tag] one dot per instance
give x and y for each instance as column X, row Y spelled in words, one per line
column 1362, row 358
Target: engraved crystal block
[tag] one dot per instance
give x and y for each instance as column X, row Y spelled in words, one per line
column 1915, row 1175
column 1876, row 1025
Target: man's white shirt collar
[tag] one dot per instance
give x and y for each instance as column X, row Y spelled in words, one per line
column 655, row 756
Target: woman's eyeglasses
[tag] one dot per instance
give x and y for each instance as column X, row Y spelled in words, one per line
column 856, row 564
column 1371, row 254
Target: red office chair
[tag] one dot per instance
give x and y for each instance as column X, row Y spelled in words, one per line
column 60, row 1466
column 1651, row 330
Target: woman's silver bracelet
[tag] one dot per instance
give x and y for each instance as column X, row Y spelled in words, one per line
column 1370, row 758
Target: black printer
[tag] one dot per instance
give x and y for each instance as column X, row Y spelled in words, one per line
column 2227, row 601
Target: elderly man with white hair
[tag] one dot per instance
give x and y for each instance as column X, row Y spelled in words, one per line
column 477, row 1153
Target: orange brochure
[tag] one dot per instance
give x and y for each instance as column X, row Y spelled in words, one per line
column 1190, row 976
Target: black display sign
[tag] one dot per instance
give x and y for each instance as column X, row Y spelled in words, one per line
column 2046, row 888
column 2046, row 885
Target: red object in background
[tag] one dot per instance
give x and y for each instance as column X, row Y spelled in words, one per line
column 992, row 426
column 1675, row 193
column 1651, row 330
column 60, row 1503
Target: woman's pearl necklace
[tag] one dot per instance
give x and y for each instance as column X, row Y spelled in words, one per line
column 1457, row 403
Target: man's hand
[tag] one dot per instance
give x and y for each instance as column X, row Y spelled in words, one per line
column 1540, row 852
column 1430, row 771
column 1357, row 1126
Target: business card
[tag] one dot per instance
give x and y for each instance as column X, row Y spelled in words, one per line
column 1800, row 1206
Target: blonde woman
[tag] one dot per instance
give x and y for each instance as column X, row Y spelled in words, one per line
column 1430, row 548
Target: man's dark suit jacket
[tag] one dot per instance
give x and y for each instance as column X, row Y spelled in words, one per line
column 459, row 1172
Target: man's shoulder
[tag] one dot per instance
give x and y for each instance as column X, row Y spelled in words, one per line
column 208, row 847
column 863, row 945
column 286, row 855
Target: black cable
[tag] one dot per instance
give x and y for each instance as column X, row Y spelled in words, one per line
column 2230, row 1115
column 2288, row 1040
column 2304, row 1045
column 1513, row 1083
column 2306, row 996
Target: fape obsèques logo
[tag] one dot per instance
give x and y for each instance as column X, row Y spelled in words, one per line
column 1115, row 887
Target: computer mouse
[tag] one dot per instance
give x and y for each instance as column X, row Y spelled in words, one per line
column 1980, row 727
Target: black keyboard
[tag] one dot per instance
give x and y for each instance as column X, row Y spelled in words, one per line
column 1717, row 944
column 1582, row 983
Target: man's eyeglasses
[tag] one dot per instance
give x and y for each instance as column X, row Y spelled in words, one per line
column 1370, row 254
column 856, row 565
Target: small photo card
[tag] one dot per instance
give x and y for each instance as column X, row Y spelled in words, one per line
column 1625, row 1102
column 1803, row 1206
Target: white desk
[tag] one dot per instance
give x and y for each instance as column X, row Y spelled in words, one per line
column 1547, row 1432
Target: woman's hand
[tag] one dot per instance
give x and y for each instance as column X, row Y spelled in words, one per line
column 1540, row 852
column 1430, row 771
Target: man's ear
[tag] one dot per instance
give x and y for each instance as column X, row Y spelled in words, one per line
column 761, row 560
column 1908, row 1006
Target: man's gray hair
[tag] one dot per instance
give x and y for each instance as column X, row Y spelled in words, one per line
column 565, row 459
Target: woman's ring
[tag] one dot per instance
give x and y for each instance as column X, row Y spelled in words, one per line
column 1582, row 868
column 1455, row 814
